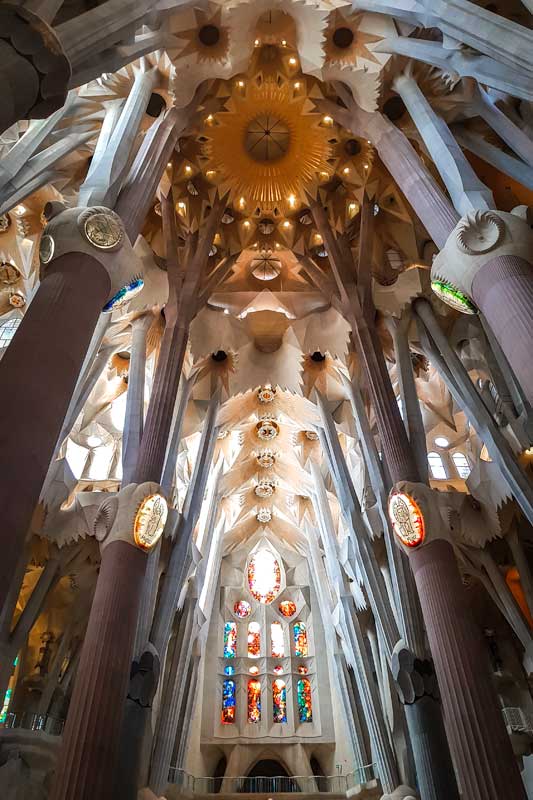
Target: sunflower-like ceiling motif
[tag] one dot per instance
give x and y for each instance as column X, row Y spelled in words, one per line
column 267, row 146
column 348, row 39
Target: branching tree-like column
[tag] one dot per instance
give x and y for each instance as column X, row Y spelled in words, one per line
column 477, row 734
column 50, row 344
column 103, row 672
column 400, row 461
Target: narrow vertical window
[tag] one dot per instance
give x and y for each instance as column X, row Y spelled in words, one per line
column 461, row 465
column 276, row 635
column 305, row 709
column 254, row 640
column 254, row 701
column 300, row 639
column 279, row 701
column 230, row 640
column 228, row 702
column 437, row 467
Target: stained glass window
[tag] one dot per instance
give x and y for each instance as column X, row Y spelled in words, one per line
column 254, row 640
column 228, row 702
column 254, row 701
column 254, row 670
column 305, row 709
column 230, row 640
column 279, row 701
column 300, row 639
column 278, row 645
column 287, row 608
column 278, row 669
column 229, row 670
column 264, row 576
column 242, row 609
column 302, row 669
column 5, row 707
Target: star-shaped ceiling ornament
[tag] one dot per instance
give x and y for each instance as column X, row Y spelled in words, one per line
column 348, row 39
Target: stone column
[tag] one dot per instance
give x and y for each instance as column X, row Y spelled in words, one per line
column 477, row 736
column 134, row 417
column 50, row 346
column 487, row 265
column 87, row 761
column 466, row 190
column 172, row 699
column 522, row 565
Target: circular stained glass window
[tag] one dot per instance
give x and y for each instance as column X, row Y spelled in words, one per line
column 302, row 669
column 242, row 609
column 287, row 608
column 264, row 576
column 278, row 669
column 254, row 670
column 229, row 670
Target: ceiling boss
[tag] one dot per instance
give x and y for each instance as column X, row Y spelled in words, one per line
column 268, row 145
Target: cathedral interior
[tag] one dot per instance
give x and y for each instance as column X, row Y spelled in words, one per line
column 266, row 399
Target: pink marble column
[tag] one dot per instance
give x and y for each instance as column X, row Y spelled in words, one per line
column 38, row 374
column 503, row 291
column 87, row 761
column 480, row 746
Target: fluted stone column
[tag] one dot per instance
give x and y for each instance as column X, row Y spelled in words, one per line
column 87, row 761
column 85, row 768
column 487, row 262
column 477, row 735
column 50, row 346
column 503, row 292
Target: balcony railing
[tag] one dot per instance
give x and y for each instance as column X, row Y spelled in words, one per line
column 281, row 784
column 34, row 722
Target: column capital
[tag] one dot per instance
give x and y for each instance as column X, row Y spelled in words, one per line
column 99, row 232
column 478, row 238
column 417, row 515
column 136, row 515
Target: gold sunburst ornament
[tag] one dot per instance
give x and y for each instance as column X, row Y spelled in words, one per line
column 268, row 145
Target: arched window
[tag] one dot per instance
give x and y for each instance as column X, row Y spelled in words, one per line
column 461, row 465
column 230, row 639
column 436, row 467
column 264, row 576
column 300, row 639
column 8, row 330
column 254, row 640
column 305, row 708
column 228, row 702
column 276, row 636
column 254, row 701
column 279, row 701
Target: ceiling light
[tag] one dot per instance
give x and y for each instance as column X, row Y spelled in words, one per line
column 246, row 223
column 441, row 441
column 346, row 170
column 226, row 311
column 292, row 200
column 240, row 84
column 257, row 42
column 284, row 43
column 286, row 224
column 292, row 61
column 327, row 120
column 297, row 85
column 188, row 169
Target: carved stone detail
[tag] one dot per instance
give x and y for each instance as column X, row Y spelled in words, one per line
column 479, row 232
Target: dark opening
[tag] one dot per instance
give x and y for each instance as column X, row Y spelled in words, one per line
column 220, row 771
column 209, row 35
column 343, row 38
column 156, row 104
column 394, row 108
column 219, row 356
column 320, row 776
column 318, row 356
column 260, row 779
column 352, row 147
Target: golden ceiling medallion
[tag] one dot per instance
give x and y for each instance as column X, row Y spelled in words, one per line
column 268, row 145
